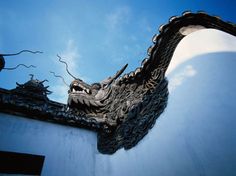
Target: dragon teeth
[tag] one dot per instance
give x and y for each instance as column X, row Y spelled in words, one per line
column 88, row 91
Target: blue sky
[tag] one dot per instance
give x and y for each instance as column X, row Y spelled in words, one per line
column 96, row 38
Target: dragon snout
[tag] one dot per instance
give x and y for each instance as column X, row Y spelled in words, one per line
column 79, row 88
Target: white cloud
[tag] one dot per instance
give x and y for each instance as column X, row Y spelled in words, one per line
column 118, row 17
column 178, row 78
column 59, row 93
column 116, row 37
column 201, row 42
column 71, row 56
column 145, row 24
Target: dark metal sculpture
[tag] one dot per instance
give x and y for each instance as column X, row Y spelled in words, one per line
column 30, row 100
column 33, row 88
column 2, row 62
column 120, row 109
column 130, row 105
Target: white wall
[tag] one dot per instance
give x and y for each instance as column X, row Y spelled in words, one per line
column 67, row 150
column 196, row 135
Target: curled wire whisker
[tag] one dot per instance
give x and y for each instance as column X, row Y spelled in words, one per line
column 58, row 76
column 62, row 61
column 23, row 51
column 13, row 68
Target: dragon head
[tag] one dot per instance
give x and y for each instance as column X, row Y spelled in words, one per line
column 90, row 98
column 87, row 98
column 79, row 87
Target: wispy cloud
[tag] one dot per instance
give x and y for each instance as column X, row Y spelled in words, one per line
column 121, row 40
column 145, row 24
column 115, row 22
column 179, row 78
column 71, row 56
column 118, row 17
column 59, row 93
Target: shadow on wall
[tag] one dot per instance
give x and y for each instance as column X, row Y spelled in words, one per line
column 207, row 74
column 196, row 133
column 138, row 121
column 203, row 101
column 203, row 73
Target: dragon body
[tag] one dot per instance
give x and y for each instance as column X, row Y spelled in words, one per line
column 127, row 106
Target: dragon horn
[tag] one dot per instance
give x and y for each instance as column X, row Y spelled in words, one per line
column 118, row 73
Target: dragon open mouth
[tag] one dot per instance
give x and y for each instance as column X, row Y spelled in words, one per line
column 82, row 96
column 79, row 88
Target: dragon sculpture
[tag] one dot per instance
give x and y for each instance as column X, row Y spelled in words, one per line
column 128, row 106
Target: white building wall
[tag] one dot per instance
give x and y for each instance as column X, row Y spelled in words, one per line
column 196, row 135
column 67, row 150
